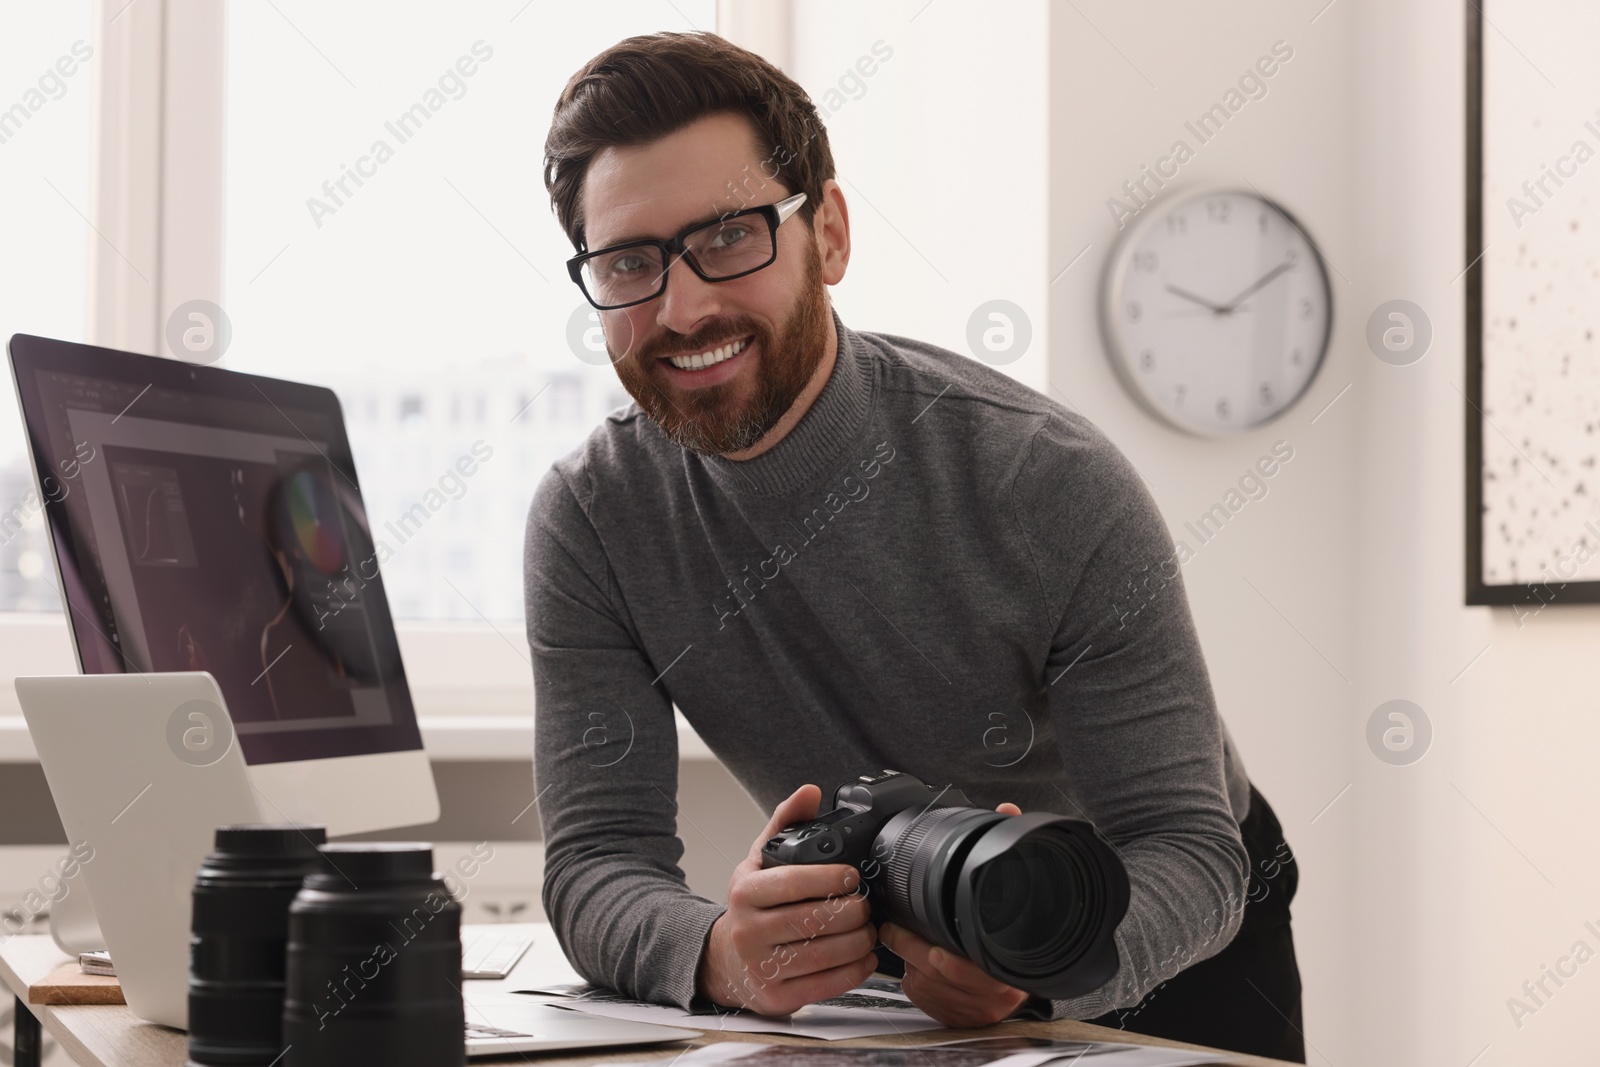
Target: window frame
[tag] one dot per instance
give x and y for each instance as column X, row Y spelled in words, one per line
column 157, row 184
column 157, row 180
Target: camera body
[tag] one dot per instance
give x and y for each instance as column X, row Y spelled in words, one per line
column 861, row 810
column 1033, row 899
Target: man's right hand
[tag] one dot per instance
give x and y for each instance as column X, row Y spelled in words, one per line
column 792, row 935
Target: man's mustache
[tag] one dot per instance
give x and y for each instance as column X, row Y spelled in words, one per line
column 702, row 342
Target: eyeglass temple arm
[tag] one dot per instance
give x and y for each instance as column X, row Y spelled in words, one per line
column 789, row 205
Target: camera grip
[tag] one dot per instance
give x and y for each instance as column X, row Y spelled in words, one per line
column 811, row 843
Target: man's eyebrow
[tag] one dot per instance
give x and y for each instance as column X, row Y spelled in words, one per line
column 713, row 217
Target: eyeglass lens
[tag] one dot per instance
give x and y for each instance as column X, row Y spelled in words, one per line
column 720, row 249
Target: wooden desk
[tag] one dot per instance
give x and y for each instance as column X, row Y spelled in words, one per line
column 110, row 1035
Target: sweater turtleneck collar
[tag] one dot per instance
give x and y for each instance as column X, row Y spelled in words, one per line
column 834, row 421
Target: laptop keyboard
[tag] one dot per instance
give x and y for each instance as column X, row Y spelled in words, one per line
column 493, row 1033
column 490, row 953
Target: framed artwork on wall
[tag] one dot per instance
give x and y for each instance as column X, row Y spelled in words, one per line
column 1532, row 304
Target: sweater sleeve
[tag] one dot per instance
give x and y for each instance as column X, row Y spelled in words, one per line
column 605, row 770
column 1130, row 699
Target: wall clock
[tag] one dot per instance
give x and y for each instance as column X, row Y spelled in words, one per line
column 1216, row 311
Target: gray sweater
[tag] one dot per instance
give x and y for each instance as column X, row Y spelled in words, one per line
column 938, row 571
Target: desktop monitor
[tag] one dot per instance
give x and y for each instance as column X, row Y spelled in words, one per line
column 202, row 519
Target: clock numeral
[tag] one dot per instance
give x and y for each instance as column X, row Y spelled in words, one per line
column 1177, row 395
column 1135, row 311
column 1262, row 218
column 1147, row 261
column 1266, row 394
column 1218, row 210
column 1223, row 411
column 1292, row 258
column 1295, row 358
column 1177, row 224
column 1306, row 308
column 1147, row 360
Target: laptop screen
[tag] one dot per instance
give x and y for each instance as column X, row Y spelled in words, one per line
column 204, row 519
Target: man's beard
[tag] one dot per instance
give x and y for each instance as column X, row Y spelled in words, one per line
column 718, row 419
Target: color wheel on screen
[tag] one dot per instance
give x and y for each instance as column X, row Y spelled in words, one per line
column 316, row 525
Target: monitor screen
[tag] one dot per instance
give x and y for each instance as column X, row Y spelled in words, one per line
column 204, row 519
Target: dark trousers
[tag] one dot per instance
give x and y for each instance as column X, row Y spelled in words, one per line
column 1246, row 998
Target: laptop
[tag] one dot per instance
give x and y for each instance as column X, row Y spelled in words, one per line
column 108, row 745
column 143, row 768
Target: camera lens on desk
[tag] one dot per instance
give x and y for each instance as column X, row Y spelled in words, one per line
column 374, row 962
column 240, row 928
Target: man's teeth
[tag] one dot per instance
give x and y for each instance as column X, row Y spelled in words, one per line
column 706, row 359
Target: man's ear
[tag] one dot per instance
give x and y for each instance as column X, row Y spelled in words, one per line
column 831, row 226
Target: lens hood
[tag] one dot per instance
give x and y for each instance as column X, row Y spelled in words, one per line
column 1088, row 959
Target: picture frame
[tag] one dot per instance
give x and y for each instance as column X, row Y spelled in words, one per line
column 1531, row 539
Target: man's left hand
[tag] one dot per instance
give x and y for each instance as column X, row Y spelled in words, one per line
column 947, row 987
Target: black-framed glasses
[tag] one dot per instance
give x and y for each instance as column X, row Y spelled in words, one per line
column 729, row 246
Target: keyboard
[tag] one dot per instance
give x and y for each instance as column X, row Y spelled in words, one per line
column 500, row 1022
column 491, row 952
column 493, row 1041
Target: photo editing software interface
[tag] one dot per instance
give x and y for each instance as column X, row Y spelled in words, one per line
column 212, row 521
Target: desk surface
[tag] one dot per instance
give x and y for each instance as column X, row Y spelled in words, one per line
column 110, row 1035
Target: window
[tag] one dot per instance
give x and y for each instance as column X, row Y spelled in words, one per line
column 47, row 58
column 387, row 233
column 935, row 116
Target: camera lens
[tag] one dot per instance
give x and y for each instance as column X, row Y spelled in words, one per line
column 1018, row 895
column 1032, row 903
column 240, row 926
column 917, row 852
column 373, row 966
column 1033, row 899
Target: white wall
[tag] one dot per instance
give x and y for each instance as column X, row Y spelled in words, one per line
column 1274, row 592
column 1429, row 892
column 1424, row 854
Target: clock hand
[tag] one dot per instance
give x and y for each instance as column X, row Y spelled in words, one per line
column 1263, row 280
column 1202, row 301
column 1189, row 313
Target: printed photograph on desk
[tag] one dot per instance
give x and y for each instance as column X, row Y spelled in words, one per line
column 1070, row 1052
column 973, row 1052
column 870, row 1010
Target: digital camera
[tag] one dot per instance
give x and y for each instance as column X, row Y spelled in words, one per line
column 1032, row 899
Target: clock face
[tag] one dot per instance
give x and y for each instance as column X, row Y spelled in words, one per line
column 1216, row 311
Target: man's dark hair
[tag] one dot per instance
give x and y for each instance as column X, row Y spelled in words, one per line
column 643, row 88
